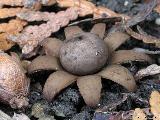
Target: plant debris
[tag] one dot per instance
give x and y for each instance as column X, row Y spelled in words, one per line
column 150, row 70
column 139, row 114
column 32, row 4
column 155, row 104
column 13, row 27
column 31, row 36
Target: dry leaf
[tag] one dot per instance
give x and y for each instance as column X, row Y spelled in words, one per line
column 150, row 70
column 139, row 114
column 155, row 104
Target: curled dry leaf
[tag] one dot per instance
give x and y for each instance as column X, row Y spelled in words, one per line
column 90, row 88
column 13, row 83
column 150, row 70
column 115, row 39
column 44, row 63
column 52, row 46
column 125, row 56
column 155, row 104
column 56, row 82
column 120, row 75
column 139, row 114
column 144, row 37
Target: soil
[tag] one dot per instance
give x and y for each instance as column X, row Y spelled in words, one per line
column 69, row 103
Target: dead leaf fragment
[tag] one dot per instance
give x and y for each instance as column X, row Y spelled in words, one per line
column 144, row 37
column 150, row 70
column 90, row 88
column 44, row 63
column 155, row 104
column 139, row 114
column 56, row 82
column 120, row 75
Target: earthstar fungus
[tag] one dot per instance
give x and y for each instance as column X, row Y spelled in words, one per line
column 90, row 83
column 14, row 84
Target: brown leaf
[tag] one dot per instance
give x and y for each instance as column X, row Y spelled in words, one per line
column 120, row 75
column 139, row 114
column 150, row 70
column 144, row 37
column 56, row 82
column 155, row 104
column 90, row 88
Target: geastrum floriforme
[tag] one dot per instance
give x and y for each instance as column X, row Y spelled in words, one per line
column 85, row 58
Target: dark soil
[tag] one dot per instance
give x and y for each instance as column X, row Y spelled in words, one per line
column 69, row 103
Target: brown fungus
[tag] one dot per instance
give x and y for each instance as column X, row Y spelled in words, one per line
column 83, row 54
column 14, row 84
column 85, row 45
